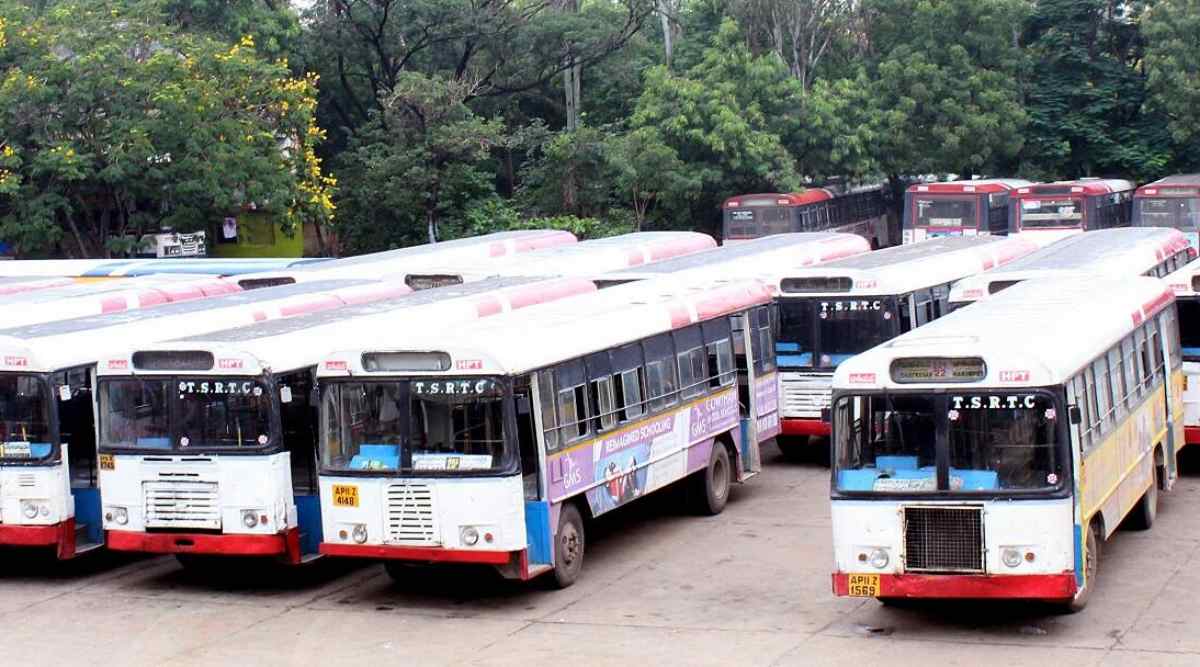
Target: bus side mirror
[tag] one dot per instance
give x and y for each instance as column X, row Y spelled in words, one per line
column 1074, row 414
column 826, row 415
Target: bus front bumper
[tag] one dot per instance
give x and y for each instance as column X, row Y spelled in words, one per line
column 417, row 554
column 1191, row 435
column 799, row 426
column 972, row 586
column 60, row 535
column 285, row 545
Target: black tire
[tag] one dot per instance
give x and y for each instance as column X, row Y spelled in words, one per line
column 568, row 546
column 1091, row 566
column 1142, row 516
column 712, row 484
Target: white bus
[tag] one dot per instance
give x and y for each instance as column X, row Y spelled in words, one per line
column 958, row 208
column 1137, row 251
column 209, row 441
column 1184, row 283
column 48, row 467
column 583, row 259
column 1048, row 212
column 493, row 443
column 834, row 311
column 990, row 454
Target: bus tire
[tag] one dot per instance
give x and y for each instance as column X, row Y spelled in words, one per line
column 712, row 484
column 568, row 546
column 1146, row 510
column 1091, row 566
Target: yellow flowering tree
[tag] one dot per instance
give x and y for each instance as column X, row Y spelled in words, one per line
column 113, row 124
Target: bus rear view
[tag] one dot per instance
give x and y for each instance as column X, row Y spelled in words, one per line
column 1047, row 212
column 958, row 208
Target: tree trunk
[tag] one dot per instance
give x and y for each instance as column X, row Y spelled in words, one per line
column 668, row 38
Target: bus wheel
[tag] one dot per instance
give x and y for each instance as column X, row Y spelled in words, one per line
column 1143, row 514
column 1091, row 565
column 568, row 546
column 712, row 484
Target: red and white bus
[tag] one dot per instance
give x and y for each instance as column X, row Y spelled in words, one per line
column 958, row 208
column 1173, row 202
column 861, row 211
column 1047, row 212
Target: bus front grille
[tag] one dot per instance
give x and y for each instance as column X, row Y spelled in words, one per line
column 182, row 504
column 804, row 401
column 410, row 514
column 943, row 539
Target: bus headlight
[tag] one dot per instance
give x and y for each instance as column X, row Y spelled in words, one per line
column 29, row 509
column 468, row 536
column 879, row 559
column 360, row 533
column 249, row 518
column 1011, row 557
column 118, row 515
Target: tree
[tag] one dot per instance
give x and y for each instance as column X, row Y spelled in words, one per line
column 646, row 171
column 1172, row 32
column 115, row 125
column 567, row 175
column 800, row 31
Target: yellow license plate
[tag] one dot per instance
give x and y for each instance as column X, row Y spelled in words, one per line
column 863, row 585
column 345, row 495
column 106, row 462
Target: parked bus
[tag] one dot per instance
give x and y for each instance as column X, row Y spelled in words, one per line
column 583, row 259
column 1173, row 202
column 492, row 444
column 990, row 454
column 861, row 211
column 48, row 468
column 1048, row 212
column 1185, row 283
column 1143, row 251
column 958, row 208
column 834, row 311
column 210, row 440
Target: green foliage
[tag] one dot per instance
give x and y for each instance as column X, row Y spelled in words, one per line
column 1172, row 32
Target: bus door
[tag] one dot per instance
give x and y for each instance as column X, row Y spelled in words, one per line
column 76, row 431
column 1169, row 352
column 526, row 394
column 299, row 417
column 752, row 335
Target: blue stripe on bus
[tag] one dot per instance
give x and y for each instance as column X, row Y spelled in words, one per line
column 1078, row 555
column 308, row 519
column 1191, row 351
column 537, row 531
column 103, row 270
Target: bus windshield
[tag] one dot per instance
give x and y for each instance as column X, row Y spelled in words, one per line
column 995, row 442
column 1046, row 213
column 945, row 211
column 822, row 332
column 185, row 414
column 24, row 418
column 1189, row 327
column 419, row 425
column 1179, row 212
column 757, row 218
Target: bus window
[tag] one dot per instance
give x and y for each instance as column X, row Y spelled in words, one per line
column 1167, row 323
column 1155, row 348
column 603, row 404
column 1133, row 383
column 630, row 393
column 572, row 403
column 1103, row 394
column 1117, row 381
column 1145, row 370
column 720, row 363
column 1085, row 417
column 661, row 379
column 1018, row 444
column 549, row 418
column 890, row 439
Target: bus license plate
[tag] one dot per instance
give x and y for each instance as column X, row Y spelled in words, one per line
column 863, row 585
column 345, row 495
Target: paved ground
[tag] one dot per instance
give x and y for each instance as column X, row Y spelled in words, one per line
column 659, row 586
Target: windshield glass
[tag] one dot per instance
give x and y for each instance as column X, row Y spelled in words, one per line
column 1178, row 212
column 757, row 220
column 996, row 443
column 820, row 332
column 191, row 414
column 423, row 425
column 1189, row 328
column 945, row 211
column 1060, row 212
column 24, row 418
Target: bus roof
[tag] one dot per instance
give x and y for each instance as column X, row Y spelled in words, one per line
column 1087, row 186
column 1038, row 333
column 1124, row 251
column 300, row 342
column 116, row 268
column 901, row 269
column 808, row 196
column 50, row 346
column 586, row 258
column 984, row 185
column 132, row 294
column 1177, row 185
column 569, row 329
column 754, row 257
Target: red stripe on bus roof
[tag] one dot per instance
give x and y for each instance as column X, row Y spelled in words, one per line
column 112, row 304
column 531, row 295
column 147, row 298
column 323, row 302
column 29, row 286
column 488, row 306
column 373, row 293
column 678, row 247
column 634, row 257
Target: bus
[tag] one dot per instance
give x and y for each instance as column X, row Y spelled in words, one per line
column 1047, row 212
column 834, row 311
column 495, row 443
column 1185, row 284
column 1173, row 202
column 49, row 494
column 586, row 258
column 1141, row 251
column 210, row 440
column 958, row 208
column 990, row 454
column 861, row 210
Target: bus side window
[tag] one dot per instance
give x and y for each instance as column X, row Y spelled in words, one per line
column 1093, row 413
column 1075, row 399
column 661, row 382
column 764, row 356
column 924, row 301
column 1168, row 324
column 603, row 403
column 719, row 352
column 1117, row 381
column 628, row 382
column 1146, row 371
column 1103, row 395
column 572, row 402
column 906, row 323
column 1132, row 383
column 546, row 394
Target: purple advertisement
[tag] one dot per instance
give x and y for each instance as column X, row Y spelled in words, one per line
column 766, row 398
column 639, row 458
